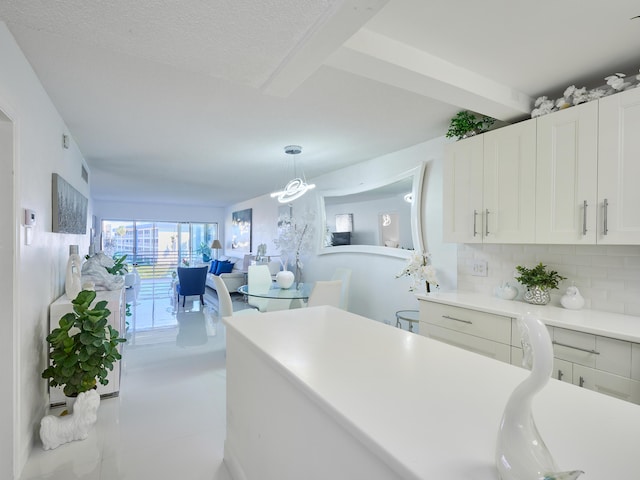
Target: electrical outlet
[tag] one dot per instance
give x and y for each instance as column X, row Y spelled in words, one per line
column 479, row 268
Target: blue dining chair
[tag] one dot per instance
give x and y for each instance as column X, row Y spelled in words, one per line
column 191, row 281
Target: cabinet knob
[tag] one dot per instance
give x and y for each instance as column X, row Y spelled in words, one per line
column 560, row 374
column 581, row 382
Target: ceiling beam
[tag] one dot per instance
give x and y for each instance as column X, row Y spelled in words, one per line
column 322, row 39
column 372, row 55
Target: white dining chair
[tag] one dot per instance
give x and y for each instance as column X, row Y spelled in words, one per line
column 225, row 305
column 259, row 281
column 325, row 292
column 343, row 274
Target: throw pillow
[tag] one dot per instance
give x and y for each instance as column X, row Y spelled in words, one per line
column 214, row 266
column 224, row 267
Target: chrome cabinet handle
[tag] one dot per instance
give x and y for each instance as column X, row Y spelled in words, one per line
column 606, row 207
column 560, row 374
column 584, row 218
column 595, row 352
column 457, row 319
column 475, row 215
column 581, row 382
column 486, row 223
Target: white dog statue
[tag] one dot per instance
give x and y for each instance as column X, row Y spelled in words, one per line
column 55, row 431
column 94, row 270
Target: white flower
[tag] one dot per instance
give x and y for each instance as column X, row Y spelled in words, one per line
column 73, row 331
column 296, row 237
column 579, row 96
column 617, row 81
column 569, row 91
column 420, row 270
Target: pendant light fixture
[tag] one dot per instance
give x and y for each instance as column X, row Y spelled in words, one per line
column 296, row 187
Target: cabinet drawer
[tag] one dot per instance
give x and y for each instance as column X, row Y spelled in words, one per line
column 576, row 347
column 607, row 383
column 472, row 322
column 485, row 347
column 603, row 353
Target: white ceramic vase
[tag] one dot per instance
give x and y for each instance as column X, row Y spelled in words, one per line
column 284, row 278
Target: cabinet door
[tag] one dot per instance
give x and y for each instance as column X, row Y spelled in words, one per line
column 462, row 191
column 562, row 370
column 566, row 176
column 509, row 184
column 619, row 168
column 607, row 383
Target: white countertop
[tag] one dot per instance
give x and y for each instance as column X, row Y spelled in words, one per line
column 614, row 325
column 430, row 410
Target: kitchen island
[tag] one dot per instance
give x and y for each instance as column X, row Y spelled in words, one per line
column 320, row 393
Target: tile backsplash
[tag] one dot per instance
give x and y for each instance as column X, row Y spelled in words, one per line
column 608, row 277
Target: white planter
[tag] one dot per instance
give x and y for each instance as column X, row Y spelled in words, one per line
column 284, row 278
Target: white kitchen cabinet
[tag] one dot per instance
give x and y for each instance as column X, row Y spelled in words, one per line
column 489, row 187
column 480, row 332
column 619, row 168
column 604, row 364
column 116, row 304
column 566, row 176
column 462, row 191
column 614, row 385
column 509, row 184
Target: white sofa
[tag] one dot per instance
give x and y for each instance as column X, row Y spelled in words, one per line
column 233, row 280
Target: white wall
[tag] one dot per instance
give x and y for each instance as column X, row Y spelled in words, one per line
column 608, row 277
column 374, row 292
column 39, row 279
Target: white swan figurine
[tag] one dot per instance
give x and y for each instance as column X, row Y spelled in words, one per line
column 520, row 451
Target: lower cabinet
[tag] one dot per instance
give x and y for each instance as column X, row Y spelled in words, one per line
column 605, row 365
column 480, row 332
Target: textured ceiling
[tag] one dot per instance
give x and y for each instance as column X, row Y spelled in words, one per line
column 192, row 102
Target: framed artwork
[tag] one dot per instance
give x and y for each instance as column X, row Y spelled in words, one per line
column 241, row 231
column 69, row 208
column 344, row 222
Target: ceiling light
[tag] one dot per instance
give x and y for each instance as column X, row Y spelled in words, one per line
column 297, row 187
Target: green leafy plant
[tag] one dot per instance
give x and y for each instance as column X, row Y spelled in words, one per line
column 119, row 267
column 466, row 123
column 83, row 348
column 205, row 250
column 539, row 276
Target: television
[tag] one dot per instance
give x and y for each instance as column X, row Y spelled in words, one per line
column 340, row 238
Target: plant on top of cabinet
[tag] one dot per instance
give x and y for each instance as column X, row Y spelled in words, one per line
column 466, row 124
column 538, row 281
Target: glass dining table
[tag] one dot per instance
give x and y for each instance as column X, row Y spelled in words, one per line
column 294, row 297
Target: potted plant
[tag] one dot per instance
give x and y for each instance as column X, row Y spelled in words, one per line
column 83, row 348
column 538, row 281
column 119, row 267
column 466, row 124
column 205, row 250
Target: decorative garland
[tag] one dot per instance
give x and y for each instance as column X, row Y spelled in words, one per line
column 617, row 82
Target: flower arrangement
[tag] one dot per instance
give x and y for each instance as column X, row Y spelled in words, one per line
column 421, row 271
column 615, row 83
column 295, row 240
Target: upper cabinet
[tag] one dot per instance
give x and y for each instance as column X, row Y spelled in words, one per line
column 569, row 177
column 619, row 168
column 462, row 191
column 489, row 187
column 566, row 175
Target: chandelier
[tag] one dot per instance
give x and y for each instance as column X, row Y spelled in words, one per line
column 296, row 187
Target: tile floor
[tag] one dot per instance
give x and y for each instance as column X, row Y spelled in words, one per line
column 169, row 420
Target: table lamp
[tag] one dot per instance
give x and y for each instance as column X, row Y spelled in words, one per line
column 216, row 245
